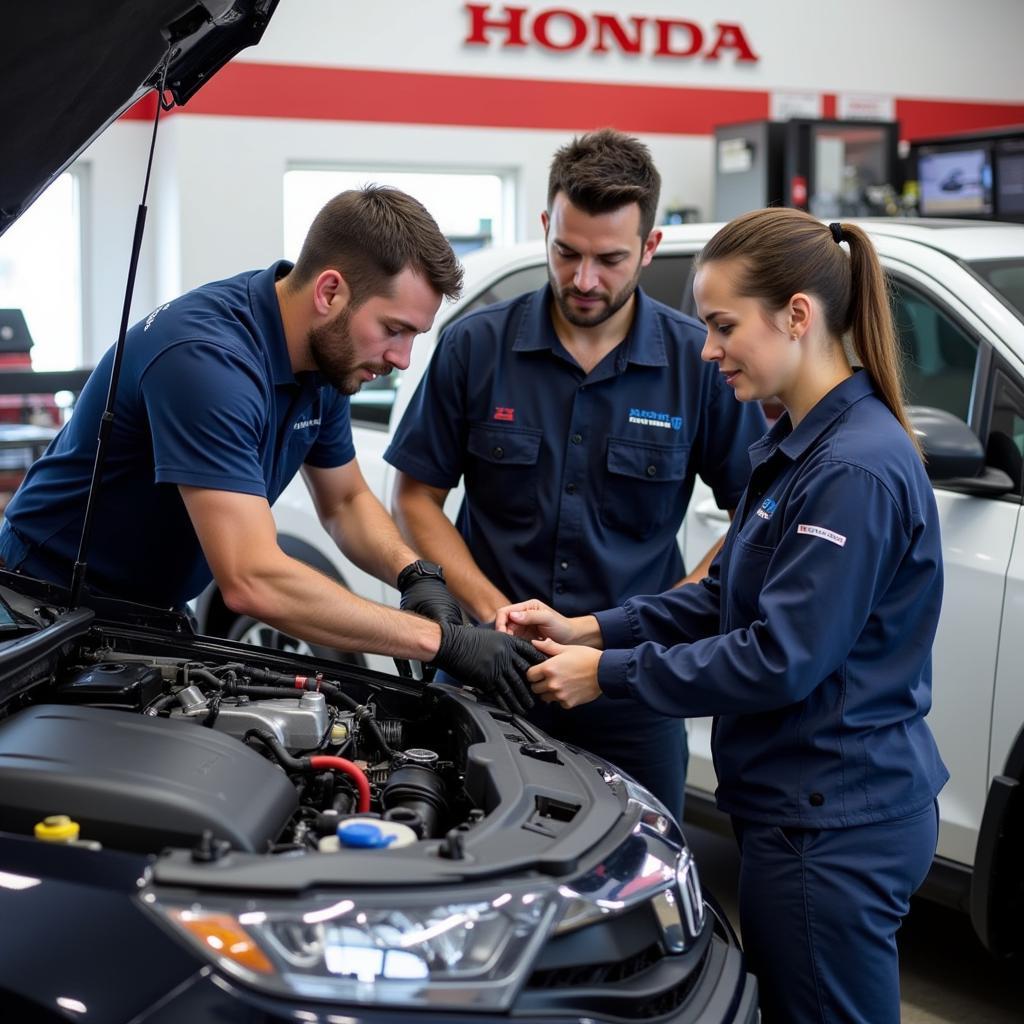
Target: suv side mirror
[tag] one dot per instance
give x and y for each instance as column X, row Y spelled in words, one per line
column 955, row 458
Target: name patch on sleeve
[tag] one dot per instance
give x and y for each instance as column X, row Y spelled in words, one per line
column 820, row 531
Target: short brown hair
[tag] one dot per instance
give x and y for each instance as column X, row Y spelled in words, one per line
column 371, row 234
column 604, row 171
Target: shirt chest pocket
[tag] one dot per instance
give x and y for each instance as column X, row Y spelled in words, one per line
column 748, row 566
column 501, row 472
column 643, row 486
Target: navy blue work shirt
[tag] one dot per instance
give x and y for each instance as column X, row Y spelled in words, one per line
column 811, row 638
column 206, row 398
column 576, row 483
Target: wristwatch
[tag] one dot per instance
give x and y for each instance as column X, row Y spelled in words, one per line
column 420, row 568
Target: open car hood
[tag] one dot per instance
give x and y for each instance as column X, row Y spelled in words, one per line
column 70, row 67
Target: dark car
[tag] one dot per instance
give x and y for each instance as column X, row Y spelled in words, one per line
column 196, row 830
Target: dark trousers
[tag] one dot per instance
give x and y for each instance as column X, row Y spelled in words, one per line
column 819, row 912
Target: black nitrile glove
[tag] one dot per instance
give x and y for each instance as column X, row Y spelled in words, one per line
column 425, row 593
column 495, row 662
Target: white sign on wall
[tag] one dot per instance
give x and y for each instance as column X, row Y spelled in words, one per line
column 785, row 105
column 852, row 106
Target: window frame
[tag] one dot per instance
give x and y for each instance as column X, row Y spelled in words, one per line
column 984, row 349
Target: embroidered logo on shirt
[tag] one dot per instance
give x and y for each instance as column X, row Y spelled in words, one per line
column 302, row 424
column 505, row 412
column 820, row 531
column 768, row 507
column 647, row 418
column 152, row 316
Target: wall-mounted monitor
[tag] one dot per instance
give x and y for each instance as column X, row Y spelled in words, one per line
column 1010, row 180
column 955, row 182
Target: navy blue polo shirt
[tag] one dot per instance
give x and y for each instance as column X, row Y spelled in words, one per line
column 576, row 483
column 206, row 398
column 811, row 639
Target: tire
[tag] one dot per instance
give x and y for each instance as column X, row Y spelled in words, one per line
column 248, row 630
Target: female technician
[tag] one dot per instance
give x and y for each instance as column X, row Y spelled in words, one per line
column 810, row 640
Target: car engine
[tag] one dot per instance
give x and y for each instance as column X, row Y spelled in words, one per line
column 150, row 752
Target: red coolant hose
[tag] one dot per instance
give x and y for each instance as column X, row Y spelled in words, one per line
column 353, row 771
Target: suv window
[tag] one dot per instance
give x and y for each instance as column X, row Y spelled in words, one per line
column 527, row 279
column 939, row 356
column 1005, row 449
column 665, row 279
column 1006, row 278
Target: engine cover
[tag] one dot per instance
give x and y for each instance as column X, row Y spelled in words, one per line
column 138, row 783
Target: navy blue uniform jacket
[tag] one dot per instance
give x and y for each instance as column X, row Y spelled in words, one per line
column 810, row 640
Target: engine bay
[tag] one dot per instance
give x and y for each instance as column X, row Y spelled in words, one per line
column 197, row 750
column 148, row 752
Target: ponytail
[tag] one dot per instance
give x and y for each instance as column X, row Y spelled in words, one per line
column 871, row 325
column 782, row 251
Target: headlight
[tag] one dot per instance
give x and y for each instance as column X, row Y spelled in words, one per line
column 675, row 905
column 398, row 949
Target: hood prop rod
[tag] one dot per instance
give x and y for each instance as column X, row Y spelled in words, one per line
column 107, row 420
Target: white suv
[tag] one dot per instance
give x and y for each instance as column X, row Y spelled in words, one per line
column 958, row 291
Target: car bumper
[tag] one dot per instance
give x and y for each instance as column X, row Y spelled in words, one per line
column 722, row 993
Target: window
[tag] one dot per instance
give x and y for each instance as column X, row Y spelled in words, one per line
column 667, row 279
column 472, row 209
column 1005, row 449
column 939, row 356
column 1006, row 279
column 41, row 274
column 527, row 279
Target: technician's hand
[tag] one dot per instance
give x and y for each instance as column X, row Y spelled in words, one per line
column 495, row 662
column 534, row 620
column 568, row 677
column 427, row 594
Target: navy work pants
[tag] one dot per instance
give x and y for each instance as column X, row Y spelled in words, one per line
column 819, row 912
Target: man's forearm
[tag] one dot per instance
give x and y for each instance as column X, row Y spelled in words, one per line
column 368, row 536
column 431, row 533
column 303, row 603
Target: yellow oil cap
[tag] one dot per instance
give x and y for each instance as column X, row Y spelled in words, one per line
column 57, row 828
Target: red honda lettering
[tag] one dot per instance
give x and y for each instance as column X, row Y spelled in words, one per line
column 667, row 27
column 731, row 37
column 511, row 24
column 609, row 24
column 540, row 30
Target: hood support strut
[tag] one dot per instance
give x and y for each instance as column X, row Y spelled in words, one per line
column 107, row 421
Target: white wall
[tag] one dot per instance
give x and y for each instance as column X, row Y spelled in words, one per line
column 941, row 48
column 216, row 198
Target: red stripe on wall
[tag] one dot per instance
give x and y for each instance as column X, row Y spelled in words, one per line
column 920, row 119
column 396, row 97
column 828, row 105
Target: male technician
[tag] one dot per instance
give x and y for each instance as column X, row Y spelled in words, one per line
column 224, row 394
column 578, row 416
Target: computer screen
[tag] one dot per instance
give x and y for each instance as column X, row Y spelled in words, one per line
column 955, row 182
column 1010, row 184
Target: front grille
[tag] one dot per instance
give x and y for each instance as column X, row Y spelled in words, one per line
column 617, row 969
column 597, row 974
